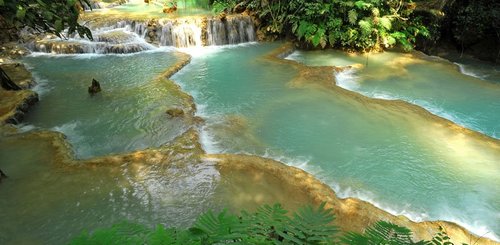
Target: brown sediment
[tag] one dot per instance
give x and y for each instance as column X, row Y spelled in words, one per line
column 187, row 104
column 15, row 103
column 185, row 147
column 250, row 181
column 19, row 74
column 184, row 59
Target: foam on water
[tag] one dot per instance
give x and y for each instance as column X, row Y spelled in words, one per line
column 408, row 210
column 199, row 51
column 469, row 72
column 347, row 78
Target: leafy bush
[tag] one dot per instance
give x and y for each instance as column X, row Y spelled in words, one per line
column 220, row 6
column 362, row 25
column 268, row 225
column 51, row 16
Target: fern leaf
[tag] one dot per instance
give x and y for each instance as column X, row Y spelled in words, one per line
column 365, row 26
column 385, row 22
column 380, row 233
column 312, row 225
column 352, row 16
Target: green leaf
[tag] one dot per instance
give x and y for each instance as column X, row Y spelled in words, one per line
column 352, row 16
column 385, row 22
column 2, row 3
column 362, row 5
column 58, row 25
column 390, row 41
column 21, row 12
column 366, row 26
column 380, row 233
column 304, row 27
column 315, row 40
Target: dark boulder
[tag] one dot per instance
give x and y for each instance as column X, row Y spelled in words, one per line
column 95, row 87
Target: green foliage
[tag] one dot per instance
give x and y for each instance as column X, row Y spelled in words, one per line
column 380, row 233
column 390, row 234
column 268, row 225
column 129, row 233
column 362, row 25
column 51, row 16
column 220, row 6
column 472, row 21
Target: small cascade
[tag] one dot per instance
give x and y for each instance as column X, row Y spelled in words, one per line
column 180, row 33
column 136, row 27
column 232, row 30
column 192, row 32
column 117, row 41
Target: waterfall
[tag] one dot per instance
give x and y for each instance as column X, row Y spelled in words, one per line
column 233, row 30
column 180, row 33
column 129, row 36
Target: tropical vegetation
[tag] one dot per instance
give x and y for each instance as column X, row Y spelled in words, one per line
column 268, row 225
column 362, row 25
column 51, row 16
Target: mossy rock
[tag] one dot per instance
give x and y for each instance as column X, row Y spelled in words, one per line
column 175, row 112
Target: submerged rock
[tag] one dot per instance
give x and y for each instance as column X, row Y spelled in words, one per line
column 175, row 112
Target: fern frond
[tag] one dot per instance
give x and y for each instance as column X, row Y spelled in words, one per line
column 221, row 228
column 313, row 226
column 385, row 22
column 381, row 232
column 352, row 16
column 365, row 26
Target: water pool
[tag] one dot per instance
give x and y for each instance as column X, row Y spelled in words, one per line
column 432, row 83
column 389, row 153
column 130, row 112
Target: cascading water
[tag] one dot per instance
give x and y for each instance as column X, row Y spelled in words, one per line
column 234, row 30
column 117, row 41
column 180, row 33
column 130, row 36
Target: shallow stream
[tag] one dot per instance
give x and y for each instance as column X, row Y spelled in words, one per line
column 393, row 154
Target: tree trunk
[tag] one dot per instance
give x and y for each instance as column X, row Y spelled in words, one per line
column 6, row 82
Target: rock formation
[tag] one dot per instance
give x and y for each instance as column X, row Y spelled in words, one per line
column 15, row 99
column 6, row 82
column 95, row 87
